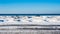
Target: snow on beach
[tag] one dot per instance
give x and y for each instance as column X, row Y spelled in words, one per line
column 43, row 20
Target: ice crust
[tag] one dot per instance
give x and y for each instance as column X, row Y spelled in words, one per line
column 43, row 20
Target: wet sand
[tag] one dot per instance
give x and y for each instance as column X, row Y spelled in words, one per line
column 15, row 31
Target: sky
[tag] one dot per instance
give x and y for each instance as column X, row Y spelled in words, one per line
column 29, row 6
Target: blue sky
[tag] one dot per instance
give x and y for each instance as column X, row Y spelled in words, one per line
column 29, row 6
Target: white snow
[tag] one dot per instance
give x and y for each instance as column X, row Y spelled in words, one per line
column 43, row 20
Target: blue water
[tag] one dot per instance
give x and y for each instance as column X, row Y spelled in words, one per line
column 29, row 14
